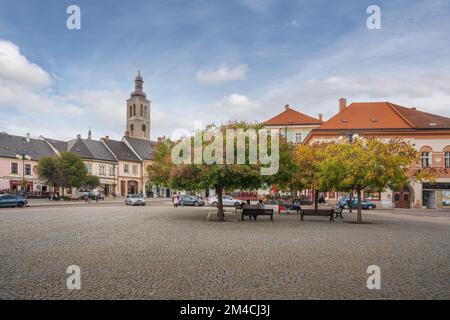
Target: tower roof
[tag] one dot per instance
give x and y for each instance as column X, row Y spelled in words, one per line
column 138, row 86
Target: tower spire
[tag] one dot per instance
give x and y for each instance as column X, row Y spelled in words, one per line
column 139, row 85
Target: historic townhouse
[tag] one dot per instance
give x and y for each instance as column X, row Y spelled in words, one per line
column 144, row 150
column 99, row 160
column 294, row 125
column 429, row 133
column 129, row 167
column 18, row 161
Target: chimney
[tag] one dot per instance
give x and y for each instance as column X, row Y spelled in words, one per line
column 106, row 138
column 342, row 104
column 127, row 133
column 286, row 106
column 78, row 136
column 320, row 117
column 28, row 138
column 414, row 108
column 90, row 133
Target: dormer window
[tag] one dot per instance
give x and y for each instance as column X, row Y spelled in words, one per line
column 432, row 124
column 344, row 120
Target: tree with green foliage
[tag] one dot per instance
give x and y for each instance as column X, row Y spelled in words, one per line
column 229, row 169
column 367, row 164
column 91, row 182
column 65, row 170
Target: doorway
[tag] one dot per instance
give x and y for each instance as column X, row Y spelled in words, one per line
column 403, row 199
column 429, row 199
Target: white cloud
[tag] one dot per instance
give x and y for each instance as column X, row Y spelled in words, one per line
column 15, row 68
column 222, row 75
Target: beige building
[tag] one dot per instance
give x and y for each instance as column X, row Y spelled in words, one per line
column 429, row 133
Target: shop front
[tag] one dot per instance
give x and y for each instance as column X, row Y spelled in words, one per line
column 436, row 195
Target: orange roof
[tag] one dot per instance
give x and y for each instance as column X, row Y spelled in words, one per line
column 383, row 115
column 292, row 117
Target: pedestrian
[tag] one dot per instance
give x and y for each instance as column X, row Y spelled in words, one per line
column 97, row 197
column 176, row 201
column 260, row 204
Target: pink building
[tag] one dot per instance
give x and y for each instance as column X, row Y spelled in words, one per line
column 18, row 161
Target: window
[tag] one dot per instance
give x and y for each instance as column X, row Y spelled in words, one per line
column 28, row 169
column 142, row 110
column 298, row 137
column 447, row 159
column 126, row 168
column 102, row 169
column 145, row 111
column 134, row 110
column 132, row 127
column 425, row 159
column 111, row 171
column 14, row 168
column 135, row 169
column 144, row 127
column 131, row 111
column 89, row 168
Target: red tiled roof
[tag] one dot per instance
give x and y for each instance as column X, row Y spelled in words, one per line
column 292, row 117
column 383, row 115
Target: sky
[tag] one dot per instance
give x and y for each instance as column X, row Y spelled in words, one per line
column 214, row 61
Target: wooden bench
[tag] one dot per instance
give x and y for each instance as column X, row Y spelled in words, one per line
column 255, row 212
column 320, row 212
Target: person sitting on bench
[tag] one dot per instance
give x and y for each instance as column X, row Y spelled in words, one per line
column 260, row 205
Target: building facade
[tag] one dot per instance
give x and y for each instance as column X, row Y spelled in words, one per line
column 293, row 125
column 18, row 162
column 428, row 133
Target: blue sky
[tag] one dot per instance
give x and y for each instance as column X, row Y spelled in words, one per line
column 214, row 61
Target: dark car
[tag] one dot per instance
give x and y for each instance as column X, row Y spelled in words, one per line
column 12, row 200
column 343, row 203
column 186, row 200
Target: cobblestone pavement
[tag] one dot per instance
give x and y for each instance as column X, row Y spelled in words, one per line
column 158, row 252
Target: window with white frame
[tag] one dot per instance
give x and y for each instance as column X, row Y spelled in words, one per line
column 425, row 159
column 14, row 168
column 102, row 169
column 126, row 168
column 89, row 168
column 447, row 159
column 135, row 169
column 298, row 137
column 111, row 171
column 28, row 169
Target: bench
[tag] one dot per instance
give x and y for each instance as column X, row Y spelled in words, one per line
column 320, row 212
column 255, row 212
column 338, row 213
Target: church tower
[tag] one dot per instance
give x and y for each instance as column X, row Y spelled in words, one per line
column 138, row 111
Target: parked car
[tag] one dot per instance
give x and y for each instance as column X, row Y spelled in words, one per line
column 12, row 200
column 343, row 203
column 134, row 200
column 226, row 200
column 186, row 200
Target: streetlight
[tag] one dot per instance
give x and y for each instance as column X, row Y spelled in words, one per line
column 23, row 157
column 351, row 138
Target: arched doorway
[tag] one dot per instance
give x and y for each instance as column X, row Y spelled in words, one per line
column 132, row 187
column 402, row 199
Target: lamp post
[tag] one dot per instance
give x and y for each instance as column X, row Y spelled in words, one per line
column 23, row 157
column 351, row 137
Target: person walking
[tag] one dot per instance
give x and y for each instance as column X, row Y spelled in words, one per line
column 176, row 201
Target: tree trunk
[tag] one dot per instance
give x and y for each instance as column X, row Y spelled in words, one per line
column 316, row 200
column 350, row 203
column 359, row 215
column 220, row 214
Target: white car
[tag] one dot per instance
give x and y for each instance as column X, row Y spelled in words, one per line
column 134, row 200
column 227, row 201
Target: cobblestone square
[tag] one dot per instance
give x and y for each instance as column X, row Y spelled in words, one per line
column 158, row 252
